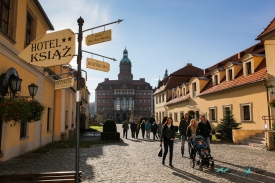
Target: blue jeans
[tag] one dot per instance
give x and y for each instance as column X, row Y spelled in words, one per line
column 183, row 139
column 207, row 141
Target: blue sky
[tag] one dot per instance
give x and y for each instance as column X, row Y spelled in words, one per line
column 162, row 34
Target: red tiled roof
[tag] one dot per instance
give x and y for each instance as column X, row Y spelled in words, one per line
column 270, row 28
column 258, row 75
column 179, row 99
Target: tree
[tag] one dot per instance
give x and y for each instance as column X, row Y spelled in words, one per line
column 166, row 74
column 226, row 125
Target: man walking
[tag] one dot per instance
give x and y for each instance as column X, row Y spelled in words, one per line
column 125, row 127
column 184, row 123
column 205, row 129
column 148, row 129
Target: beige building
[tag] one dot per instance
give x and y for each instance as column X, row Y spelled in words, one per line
column 239, row 83
column 22, row 22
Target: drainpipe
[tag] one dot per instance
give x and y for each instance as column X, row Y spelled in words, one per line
column 54, row 107
column 268, row 108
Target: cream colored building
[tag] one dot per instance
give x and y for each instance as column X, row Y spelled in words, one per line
column 239, row 83
column 22, row 22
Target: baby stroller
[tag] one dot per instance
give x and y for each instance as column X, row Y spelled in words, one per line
column 199, row 158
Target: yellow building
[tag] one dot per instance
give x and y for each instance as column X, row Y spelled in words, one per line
column 22, row 22
column 239, row 83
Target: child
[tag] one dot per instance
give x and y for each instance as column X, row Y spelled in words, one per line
column 203, row 151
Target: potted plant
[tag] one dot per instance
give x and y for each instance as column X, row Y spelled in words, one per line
column 271, row 103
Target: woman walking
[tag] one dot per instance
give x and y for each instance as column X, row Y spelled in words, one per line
column 192, row 131
column 167, row 136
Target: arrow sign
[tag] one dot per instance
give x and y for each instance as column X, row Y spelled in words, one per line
column 99, row 37
column 57, row 48
column 97, row 65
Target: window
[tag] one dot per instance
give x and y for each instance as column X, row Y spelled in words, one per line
column 66, row 120
column 246, row 112
column 98, row 101
column 98, row 93
column 107, row 101
column 181, row 114
column 225, row 108
column 162, row 114
column 230, row 74
column 156, row 99
column 148, row 93
column 216, row 81
column 5, row 7
column 183, row 92
column 103, row 101
column 49, row 119
column 23, row 129
column 178, row 93
column 170, row 115
column 248, row 68
column 212, row 113
column 144, row 100
column 149, row 101
column 138, row 87
column 197, row 115
column 110, row 87
column 162, row 97
column 194, row 89
column 30, row 29
column 103, row 93
column 175, row 116
column 8, row 17
column 140, row 101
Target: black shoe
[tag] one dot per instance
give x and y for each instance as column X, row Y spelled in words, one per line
column 163, row 162
column 170, row 164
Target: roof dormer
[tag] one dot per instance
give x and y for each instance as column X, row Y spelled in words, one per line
column 250, row 62
column 217, row 75
column 232, row 69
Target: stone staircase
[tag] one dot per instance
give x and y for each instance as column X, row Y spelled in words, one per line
column 257, row 140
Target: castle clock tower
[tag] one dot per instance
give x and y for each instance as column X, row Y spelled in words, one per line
column 125, row 66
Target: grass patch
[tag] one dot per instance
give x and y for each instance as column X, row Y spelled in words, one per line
column 64, row 144
column 97, row 127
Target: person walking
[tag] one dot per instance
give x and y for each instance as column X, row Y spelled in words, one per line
column 147, row 129
column 125, row 127
column 192, row 131
column 155, row 130
column 133, row 129
column 167, row 137
column 184, row 123
column 142, row 126
column 205, row 129
column 137, row 129
column 159, row 129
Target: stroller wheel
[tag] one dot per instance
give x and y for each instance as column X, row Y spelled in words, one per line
column 212, row 166
column 201, row 167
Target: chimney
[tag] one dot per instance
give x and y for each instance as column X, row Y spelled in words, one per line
column 188, row 64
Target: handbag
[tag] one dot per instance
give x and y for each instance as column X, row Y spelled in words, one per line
column 160, row 152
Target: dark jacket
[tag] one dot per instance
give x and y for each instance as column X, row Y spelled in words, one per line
column 205, row 129
column 189, row 132
column 168, row 133
column 155, row 128
column 133, row 126
column 142, row 126
column 183, row 126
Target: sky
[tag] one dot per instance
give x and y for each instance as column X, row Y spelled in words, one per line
column 161, row 34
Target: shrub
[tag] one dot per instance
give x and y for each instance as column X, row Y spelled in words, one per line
column 225, row 127
column 109, row 126
column 110, row 136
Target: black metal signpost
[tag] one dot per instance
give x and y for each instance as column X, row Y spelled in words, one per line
column 80, row 22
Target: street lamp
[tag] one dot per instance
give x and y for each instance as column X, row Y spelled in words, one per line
column 15, row 84
column 271, row 89
column 32, row 89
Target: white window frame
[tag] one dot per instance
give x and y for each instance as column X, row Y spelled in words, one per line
column 226, row 106
column 176, row 116
column 242, row 105
column 210, row 113
column 194, row 89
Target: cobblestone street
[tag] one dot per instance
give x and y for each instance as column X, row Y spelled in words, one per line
column 136, row 160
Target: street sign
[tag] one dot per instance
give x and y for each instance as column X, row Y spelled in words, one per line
column 64, row 83
column 97, row 65
column 57, row 48
column 99, row 37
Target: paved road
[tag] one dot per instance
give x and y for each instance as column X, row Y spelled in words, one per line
column 136, row 160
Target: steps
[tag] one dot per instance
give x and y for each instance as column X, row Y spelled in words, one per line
column 257, row 140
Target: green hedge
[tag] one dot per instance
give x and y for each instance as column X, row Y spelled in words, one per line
column 110, row 135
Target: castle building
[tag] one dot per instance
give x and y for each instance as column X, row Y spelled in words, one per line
column 125, row 98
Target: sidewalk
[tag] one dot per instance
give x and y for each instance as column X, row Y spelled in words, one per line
column 136, row 160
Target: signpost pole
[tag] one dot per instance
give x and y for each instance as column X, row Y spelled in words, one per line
column 80, row 22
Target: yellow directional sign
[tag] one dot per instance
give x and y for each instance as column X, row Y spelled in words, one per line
column 57, row 48
column 99, row 37
column 97, row 65
column 64, row 83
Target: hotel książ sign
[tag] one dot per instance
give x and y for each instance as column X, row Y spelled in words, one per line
column 57, row 48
